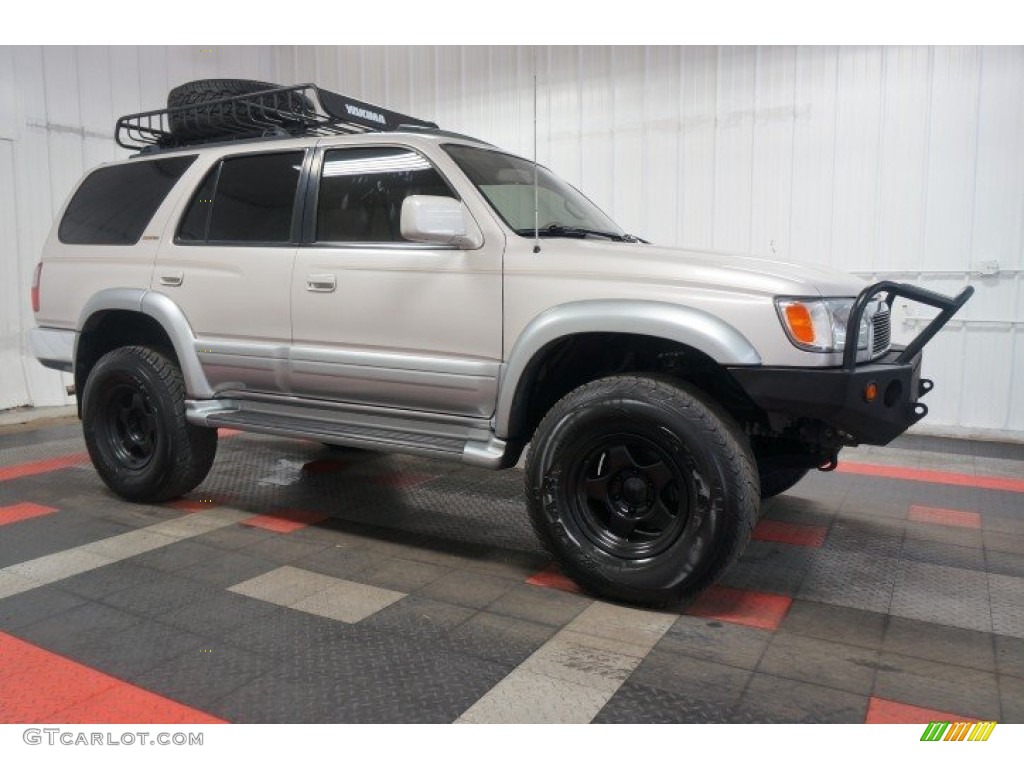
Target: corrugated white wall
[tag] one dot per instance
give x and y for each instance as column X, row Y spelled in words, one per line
column 901, row 163
column 892, row 162
column 57, row 111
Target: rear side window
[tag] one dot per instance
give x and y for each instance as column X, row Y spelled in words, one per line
column 362, row 190
column 114, row 205
column 249, row 199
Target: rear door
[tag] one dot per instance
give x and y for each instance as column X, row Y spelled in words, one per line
column 378, row 320
column 229, row 265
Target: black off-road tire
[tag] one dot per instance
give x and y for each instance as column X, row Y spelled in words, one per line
column 641, row 489
column 133, row 418
column 212, row 121
column 779, row 481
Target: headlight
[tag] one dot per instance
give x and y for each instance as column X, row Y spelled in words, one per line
column 819, row 325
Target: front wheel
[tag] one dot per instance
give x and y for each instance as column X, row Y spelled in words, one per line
column 133, row 419
column 641, row 489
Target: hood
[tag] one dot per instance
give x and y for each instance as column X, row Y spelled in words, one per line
column 701, row 268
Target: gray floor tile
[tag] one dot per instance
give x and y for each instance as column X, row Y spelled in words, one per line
column 938, row 686
column 1007, row 595
column 810, row 660
column 1009, row 655
column 770, row 699
column 472, row 590
column 855, row 580
column 544, row 606
column 36, row 605
column 942, row 595
column 834, row 622
column 716, row 641
column 939, row 642
column 634, row 703
column 685, row 675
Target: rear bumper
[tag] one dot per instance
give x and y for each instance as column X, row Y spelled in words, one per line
column 838, row 398
column 53, row 347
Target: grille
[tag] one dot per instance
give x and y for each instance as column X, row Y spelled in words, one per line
column 880, row 324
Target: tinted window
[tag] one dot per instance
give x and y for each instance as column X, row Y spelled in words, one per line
column 114, row 205
column 254, row 199
column 361, row 193
column 197, row 217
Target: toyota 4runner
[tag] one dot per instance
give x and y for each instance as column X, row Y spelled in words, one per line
column 294, row 262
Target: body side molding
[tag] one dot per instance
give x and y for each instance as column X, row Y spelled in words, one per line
column 686, row 325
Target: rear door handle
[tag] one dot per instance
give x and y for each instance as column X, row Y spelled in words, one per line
column 172, row 278
column 321, row 283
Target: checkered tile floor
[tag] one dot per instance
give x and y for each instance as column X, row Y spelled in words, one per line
column 301, row 584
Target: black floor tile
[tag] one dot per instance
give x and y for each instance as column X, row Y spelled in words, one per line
column 770, row 699
column 634, row 703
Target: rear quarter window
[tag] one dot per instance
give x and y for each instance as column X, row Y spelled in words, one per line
column 114, row 205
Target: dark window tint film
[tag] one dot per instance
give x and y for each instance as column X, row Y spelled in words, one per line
column 255, row 198
column 197, row 217
column 114, row 205
column 361, row 193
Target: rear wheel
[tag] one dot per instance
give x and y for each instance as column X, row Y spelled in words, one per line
column 640, row 489
column 133, row 419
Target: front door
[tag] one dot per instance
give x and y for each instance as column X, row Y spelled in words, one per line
column 378, row 320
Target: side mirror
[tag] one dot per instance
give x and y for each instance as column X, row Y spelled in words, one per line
column 439, row 220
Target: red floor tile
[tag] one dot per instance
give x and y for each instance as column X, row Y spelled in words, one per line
column 988, row 482
column 43, row 687
column 224, row 432
column 42, row 466
column 955, row 517
column 739, row 606
column 886, row 711
column 553, row 578
column 790, row 533
column 192, row 505
column 24, row 511
column 285, row 521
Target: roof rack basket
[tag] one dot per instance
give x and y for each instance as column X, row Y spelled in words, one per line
column 296, row 110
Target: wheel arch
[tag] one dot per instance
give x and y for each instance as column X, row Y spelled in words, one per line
column 122, row 316
column 684, row 327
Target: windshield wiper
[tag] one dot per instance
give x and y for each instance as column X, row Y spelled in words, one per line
column 565, row 230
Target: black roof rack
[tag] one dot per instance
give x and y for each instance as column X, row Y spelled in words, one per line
column 292, row 111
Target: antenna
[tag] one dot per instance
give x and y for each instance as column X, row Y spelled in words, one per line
column 536, row 195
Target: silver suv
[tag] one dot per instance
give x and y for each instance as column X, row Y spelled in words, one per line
column 293, row 262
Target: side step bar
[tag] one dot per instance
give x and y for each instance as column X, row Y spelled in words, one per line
column 468, row 440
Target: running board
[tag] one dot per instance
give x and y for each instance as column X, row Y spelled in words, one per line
column 468, row 440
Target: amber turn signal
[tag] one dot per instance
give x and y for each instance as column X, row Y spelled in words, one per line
column 799, row 319
column 871, row 392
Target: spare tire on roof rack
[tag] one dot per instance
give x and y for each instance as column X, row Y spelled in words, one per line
column 212, row 117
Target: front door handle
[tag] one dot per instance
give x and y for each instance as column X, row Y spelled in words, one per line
column 172, row 278
column 321, row 283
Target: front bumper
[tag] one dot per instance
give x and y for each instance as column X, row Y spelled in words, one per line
column 841, row 397
column 837, row 397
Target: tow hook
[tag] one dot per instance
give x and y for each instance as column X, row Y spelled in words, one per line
column 829, row 465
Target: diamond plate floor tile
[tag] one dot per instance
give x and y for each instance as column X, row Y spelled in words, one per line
column 501, row 639
column 716, row 641
column 770, row 699
column 836, row 623
column 1011, row 696
column 1004, row 563
column 472, row 590
column 402, row 575
column 855, row 580
column 942, row 595
column 1007, row 594
column 35, row 605
column 418, row 618
column 940, row 553
column 1009, row 655
column 945, row 687
column 533, row 698
column 770, row 567
column 685, row 675
column 635, row 703
column 810, row 660
column 938, row 642
column 544, row 606
column 218, row 614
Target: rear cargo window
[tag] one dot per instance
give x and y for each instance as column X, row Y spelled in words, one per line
column 114, row 205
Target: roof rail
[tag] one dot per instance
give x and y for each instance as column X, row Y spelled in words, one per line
column 291, row 111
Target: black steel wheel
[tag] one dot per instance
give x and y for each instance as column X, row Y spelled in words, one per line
column 133, row 420
column 641, row 489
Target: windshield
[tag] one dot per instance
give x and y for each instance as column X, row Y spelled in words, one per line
column 507, row 183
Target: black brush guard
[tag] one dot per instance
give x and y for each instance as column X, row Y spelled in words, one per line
column 297, row 110
column 839, row 397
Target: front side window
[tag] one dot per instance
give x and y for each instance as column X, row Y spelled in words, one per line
column 362, row 191
column 114, row 205
column 507, row 183
column 248, row 199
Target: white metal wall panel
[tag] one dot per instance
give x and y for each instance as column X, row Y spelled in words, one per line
column 902, row 162
column 58, row 105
